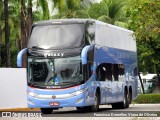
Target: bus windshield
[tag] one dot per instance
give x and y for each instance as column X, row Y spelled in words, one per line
column 64, row 36
column 53, row 72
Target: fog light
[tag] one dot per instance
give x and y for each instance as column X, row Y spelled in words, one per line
column 30, row 102
column 79, row 100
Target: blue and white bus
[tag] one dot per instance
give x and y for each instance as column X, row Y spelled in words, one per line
column 80, row 63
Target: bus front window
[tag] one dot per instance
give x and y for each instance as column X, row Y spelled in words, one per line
column 51, row 72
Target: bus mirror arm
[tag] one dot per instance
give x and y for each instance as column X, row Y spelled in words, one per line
column 20, row 57
column 85, row 50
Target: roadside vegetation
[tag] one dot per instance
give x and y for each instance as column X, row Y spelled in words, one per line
column 147, row 99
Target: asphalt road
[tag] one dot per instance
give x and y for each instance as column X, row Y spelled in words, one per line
column 144, row 112
column 147, row 110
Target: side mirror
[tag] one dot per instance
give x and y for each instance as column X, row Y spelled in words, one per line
column 84, row 53
column 20, row 57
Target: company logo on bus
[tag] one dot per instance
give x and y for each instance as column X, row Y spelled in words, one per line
column 53, row 54
column 52, row 87
column 54, row 97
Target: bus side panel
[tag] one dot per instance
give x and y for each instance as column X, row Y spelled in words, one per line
column 114, row 87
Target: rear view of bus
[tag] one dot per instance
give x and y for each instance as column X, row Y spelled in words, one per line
column 62, row 68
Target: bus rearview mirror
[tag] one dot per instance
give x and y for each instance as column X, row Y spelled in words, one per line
column 20, row 57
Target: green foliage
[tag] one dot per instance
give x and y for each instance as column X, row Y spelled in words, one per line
column 105, row 18
column 121, row 24
column 80, row 14
column 110, row 11
column 97, row 10
column 70, row 9
column 147, row 98
column 14, row 10
column 115, row 9
column 144, row 20
column 60, row 5
column 45, row 9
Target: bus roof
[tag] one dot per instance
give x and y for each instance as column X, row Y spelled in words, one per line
column 77, row 20
column 62, row 21
column 105, row 34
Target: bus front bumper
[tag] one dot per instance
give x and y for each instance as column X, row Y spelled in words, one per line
column 56, row 101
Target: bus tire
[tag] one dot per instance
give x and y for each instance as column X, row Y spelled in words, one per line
column 125, row 102
column 95, row 107
column 46, row 110
column 115, row 105
column 130, row 97
column 81, row 109
column 122, row 105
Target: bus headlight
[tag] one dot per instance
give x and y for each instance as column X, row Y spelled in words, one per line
column 79, row 92
column 32, row 94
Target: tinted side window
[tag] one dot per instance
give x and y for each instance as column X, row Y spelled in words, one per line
column 88, row 68
column 121, row 72
column 90, row 33
column 104, row 72
column 110, row 72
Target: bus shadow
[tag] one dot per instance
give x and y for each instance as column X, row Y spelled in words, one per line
column 81, row 112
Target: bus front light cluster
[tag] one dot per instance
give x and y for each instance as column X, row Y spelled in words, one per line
column 32, row 94
column 79, row 100
column 79, row 92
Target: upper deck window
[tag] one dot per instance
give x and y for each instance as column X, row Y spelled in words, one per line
column 61, row 36
column 90, row 33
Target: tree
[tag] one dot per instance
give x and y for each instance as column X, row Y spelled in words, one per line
column 24, row 29
column 145, row 16
column 30, row 15
column 110, row 11
column 70, row 9
column 7, row 42
column 14, row 23
column 43, row 4
column 1, row 6
column 97, row 10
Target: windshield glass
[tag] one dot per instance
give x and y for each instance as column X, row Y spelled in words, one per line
column 57, row 36
column 52, row 72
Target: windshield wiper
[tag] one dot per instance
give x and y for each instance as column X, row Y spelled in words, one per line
column 67, row 82
column 32, row 84
column 72, row 82
column 37, row 47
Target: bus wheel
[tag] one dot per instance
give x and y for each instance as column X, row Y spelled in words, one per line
column 129, row 99
column 46, row 110
column 125, row 102
column 95, row 107
column 122, row 105
column 115, row 105
column 81, row 108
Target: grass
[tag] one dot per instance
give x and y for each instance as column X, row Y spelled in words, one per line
column 147, row 99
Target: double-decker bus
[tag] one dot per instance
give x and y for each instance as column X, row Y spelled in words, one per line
column 82, row 63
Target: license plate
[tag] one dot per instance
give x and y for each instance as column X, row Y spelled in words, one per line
column 54, row 103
